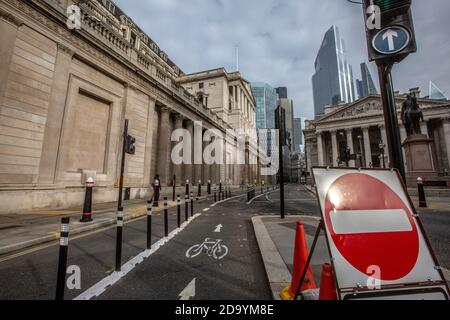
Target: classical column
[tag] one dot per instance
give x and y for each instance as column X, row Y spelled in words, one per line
column 178, row 168
column 334, row 146
column 320, row 149
column 188, row 168
column 424, row 128
column 198, row 151
column 385, row 142
column 149, row 145
column 206, row 167
column 349, row 133
column 164, row 145
column 403, row 137
column 446, row 126
column 367, row 146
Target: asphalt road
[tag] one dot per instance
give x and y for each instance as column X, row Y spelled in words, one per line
column 238, row 275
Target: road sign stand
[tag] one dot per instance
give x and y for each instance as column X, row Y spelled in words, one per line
column 419, row 278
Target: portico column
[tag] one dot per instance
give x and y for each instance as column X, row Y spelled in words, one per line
column 403, row 137
column 424, row 128
column 178, row 169
column 206, row 167
column 164, row 145
column 320, row 149
column 349, row 133
column 367, row 146
column 188, row 168
column 334, row 147
column 385, row 142
column 446, row 126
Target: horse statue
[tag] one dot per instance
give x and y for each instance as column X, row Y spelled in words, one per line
column 411, row 115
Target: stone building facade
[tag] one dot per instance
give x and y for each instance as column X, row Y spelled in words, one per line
column 229, row 95
column 360, row 126
column 64, row 96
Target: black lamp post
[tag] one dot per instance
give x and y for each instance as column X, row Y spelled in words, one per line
column 382, row 148
column 361, row 152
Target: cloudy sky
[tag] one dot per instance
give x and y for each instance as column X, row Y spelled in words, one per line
column 278, row 39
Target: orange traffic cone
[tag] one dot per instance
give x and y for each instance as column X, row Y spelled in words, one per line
column 301, row 254
column 327, row 287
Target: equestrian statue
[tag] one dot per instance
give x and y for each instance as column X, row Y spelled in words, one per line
column 412, row 115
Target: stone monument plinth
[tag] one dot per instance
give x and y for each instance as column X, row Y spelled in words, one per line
column 418, row 155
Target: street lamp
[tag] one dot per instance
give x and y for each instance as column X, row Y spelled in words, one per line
column 382, row 148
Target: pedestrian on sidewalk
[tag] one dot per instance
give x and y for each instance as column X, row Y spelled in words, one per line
column 156, row 190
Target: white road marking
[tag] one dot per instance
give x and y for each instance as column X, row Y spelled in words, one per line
column 100, row 287
column 370, row 221
column 206, row 209
column 218, row 229
column 188, row 292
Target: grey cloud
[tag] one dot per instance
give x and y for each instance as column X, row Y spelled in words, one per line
column 279, row 39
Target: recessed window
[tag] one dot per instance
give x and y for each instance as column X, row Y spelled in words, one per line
column 201, row 85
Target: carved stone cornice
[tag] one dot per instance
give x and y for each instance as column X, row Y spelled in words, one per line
column 6, row 16
column 65, row 49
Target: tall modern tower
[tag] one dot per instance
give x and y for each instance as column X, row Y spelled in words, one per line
column 266, row 103
column 282, row 92
column 366, row 86
column 333, row 79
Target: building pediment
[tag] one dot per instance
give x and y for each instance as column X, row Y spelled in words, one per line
column 372, row 106
column 365, row 107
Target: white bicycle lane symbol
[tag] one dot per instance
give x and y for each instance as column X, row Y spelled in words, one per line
column 214, row 248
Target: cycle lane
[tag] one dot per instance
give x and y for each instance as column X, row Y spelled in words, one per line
column 170, row 274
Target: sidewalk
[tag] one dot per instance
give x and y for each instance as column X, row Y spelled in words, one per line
column 24, row 230
column 276, row 242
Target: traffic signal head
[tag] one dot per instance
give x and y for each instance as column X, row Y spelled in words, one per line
column 391, row 8
column 130, row 147
column 390, row 30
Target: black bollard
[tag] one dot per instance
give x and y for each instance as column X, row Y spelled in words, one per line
column 178, row 211
column 215, row 195
column 192, row 204
column 174, row 186
column 119, row 239
column 422, row 197
column 149, row 224
column 209, row 187
column 199, row 194
column 187, row 187
column 62, row 263
column 87, row 207
column 166, row 218
column 186, row 207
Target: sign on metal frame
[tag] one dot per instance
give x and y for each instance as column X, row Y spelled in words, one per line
column 375, row 238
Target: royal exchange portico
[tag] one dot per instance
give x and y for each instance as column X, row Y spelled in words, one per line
column 360, row 127
column 64, row 96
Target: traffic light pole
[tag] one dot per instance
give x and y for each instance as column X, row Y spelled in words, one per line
column 280, row 163
column 119, row 203
column 391, row 119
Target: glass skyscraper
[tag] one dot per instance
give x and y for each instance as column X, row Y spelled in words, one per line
column 333, row 79
column 366, row 86
column 266, row 103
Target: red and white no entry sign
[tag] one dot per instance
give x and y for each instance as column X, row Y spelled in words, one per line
column 370, row 225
